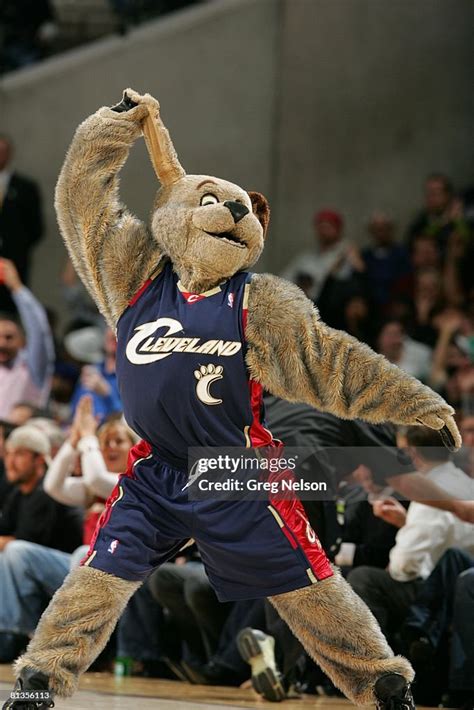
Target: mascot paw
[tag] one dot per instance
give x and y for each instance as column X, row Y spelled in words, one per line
column 147, row 100
column 134, row 107
column 447, row 427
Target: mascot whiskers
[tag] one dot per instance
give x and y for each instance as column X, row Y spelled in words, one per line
column 199, row 339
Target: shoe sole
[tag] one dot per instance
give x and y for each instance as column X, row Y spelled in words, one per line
column 194, row 677
column 176, row 668
column 264, row 680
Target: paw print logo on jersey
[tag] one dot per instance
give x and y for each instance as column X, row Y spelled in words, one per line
column 205, row 376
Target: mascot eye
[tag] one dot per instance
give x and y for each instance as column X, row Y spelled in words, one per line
column 209, row 199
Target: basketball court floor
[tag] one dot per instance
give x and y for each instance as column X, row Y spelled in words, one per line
column 102, row 691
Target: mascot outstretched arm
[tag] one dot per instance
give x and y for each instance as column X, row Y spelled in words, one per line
column 185, row 307
column 299, row 358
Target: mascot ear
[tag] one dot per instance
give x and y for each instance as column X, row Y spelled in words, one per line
column 261, row 210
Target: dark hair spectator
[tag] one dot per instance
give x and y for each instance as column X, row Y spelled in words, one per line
column 26, row 348
column 392, row 341
column 387, row 262
column 428, row 442
column 442, row 212
column 21, row 221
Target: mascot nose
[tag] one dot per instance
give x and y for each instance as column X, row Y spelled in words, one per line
column 237, row 210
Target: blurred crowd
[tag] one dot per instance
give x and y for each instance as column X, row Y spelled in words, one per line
column 63, row 443
column 410, row 296
column 32, row 30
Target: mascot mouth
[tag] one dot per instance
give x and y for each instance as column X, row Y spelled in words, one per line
column 229, row 238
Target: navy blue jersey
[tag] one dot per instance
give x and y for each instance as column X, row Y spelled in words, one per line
column 181, row 368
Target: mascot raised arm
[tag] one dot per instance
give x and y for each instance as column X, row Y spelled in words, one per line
column 199, row 339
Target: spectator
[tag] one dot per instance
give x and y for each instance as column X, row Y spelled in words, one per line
column 458, row 269
column 25, row 367
column 427, row 627
column 53, row 431
column 386, row 261
column 21, row 224
column 226, row 666
column 63, row 383
column 461, row 676
column 329, row 252
column 442, row 213
column 425, row 533
column 98, row 380
column 22, row 412
column 29, row 513
column 346, row 280
column 185, row 591
column 5, row 487
column 425, row 253
column 367, row 539
column 393, row 342
column 357, row 317
column 30, row 573
column 427, row 300
column 102, row 458
column 452, row 370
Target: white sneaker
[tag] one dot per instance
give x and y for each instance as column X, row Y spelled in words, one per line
column 258, row 650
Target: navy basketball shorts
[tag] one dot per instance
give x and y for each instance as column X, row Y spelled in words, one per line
column 250, row 548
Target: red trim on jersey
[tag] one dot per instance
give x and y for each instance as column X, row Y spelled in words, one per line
column 137, row 453
column 259, row 436
column 297, row 526
column 192, row 297
column 142, row 288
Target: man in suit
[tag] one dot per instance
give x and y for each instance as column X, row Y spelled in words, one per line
column 21, row 223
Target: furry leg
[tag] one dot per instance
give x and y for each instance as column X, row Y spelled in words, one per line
column 340, row 633
column 76, row 627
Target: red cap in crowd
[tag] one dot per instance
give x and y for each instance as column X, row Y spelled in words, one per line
column 331, row 216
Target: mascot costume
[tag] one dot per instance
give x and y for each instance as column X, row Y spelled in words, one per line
column 199, row 339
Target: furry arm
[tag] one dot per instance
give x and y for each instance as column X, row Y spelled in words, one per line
column 112, row 251
column 296, row 356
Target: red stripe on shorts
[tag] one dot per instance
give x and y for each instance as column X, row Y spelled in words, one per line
column 137, row 453
column 296, row 522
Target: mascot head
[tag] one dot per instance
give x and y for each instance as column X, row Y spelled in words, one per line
column 208, row 227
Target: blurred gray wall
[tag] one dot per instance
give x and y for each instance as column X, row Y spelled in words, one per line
column 343, row 103
column 373, row 96
column 212, row 68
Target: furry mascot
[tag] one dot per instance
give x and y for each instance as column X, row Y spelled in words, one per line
column 199, row 338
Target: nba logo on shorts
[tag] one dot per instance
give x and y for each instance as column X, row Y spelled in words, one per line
column 113, row 546
column 230, row 300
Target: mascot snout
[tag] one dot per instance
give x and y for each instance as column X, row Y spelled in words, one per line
column 237, row 210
